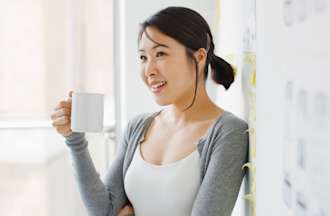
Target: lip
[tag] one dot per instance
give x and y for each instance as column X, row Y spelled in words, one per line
column 157, row 86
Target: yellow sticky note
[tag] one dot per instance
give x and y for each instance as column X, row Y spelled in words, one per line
column 253, row 78
column 250, row 58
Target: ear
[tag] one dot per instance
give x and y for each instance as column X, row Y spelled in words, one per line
column 200, row 56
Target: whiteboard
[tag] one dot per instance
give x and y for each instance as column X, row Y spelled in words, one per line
column 293, row 109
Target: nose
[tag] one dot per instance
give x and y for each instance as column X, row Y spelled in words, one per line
column 150, row 68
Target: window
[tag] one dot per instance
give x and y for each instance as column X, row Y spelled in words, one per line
column 46, row 49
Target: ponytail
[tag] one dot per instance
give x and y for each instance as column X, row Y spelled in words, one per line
column 222, row 71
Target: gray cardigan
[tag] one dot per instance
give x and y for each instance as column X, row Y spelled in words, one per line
column 223, row 151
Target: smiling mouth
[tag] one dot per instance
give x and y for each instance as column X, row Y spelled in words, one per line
column 156, row 88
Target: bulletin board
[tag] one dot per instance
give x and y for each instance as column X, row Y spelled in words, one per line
column 237, row 45
column 248, row 70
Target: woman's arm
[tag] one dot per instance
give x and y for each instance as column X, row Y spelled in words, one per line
column 220, row 187
column 101, row 198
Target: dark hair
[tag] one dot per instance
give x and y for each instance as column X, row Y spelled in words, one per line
column 190, row 29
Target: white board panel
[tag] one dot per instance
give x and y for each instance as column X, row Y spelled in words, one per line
column 293, row 52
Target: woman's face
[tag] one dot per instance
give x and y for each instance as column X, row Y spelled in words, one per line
column 165, row 68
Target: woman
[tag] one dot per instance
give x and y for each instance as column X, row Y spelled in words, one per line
column 185, row 159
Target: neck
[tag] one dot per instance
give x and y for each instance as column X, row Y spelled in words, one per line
column 202, row 109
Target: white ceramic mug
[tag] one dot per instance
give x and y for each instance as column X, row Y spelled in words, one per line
column 87, row 112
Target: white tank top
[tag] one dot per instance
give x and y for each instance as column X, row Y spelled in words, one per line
column 163, row 190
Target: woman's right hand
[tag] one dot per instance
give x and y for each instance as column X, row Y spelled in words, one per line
column 61, row 117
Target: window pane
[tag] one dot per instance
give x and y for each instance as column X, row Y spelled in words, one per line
column 49, row 48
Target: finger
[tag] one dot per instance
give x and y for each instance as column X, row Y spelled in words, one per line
column 70, row 95
column 65, row 130
column 129, row 207
column 61, row 112
column 63, row 104
column 63, row 120
column 124, row 211
column 126, row 208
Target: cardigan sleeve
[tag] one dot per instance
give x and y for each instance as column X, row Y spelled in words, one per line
column 100, row 197
column 221, row 183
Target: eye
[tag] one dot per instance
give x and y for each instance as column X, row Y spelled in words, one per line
column 158, row 54
column 143, row 58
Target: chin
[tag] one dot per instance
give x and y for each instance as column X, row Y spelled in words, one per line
column 161, row 102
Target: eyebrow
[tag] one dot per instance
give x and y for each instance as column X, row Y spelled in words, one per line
column 154, row 47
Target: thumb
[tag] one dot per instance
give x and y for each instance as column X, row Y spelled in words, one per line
column 70, row 95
